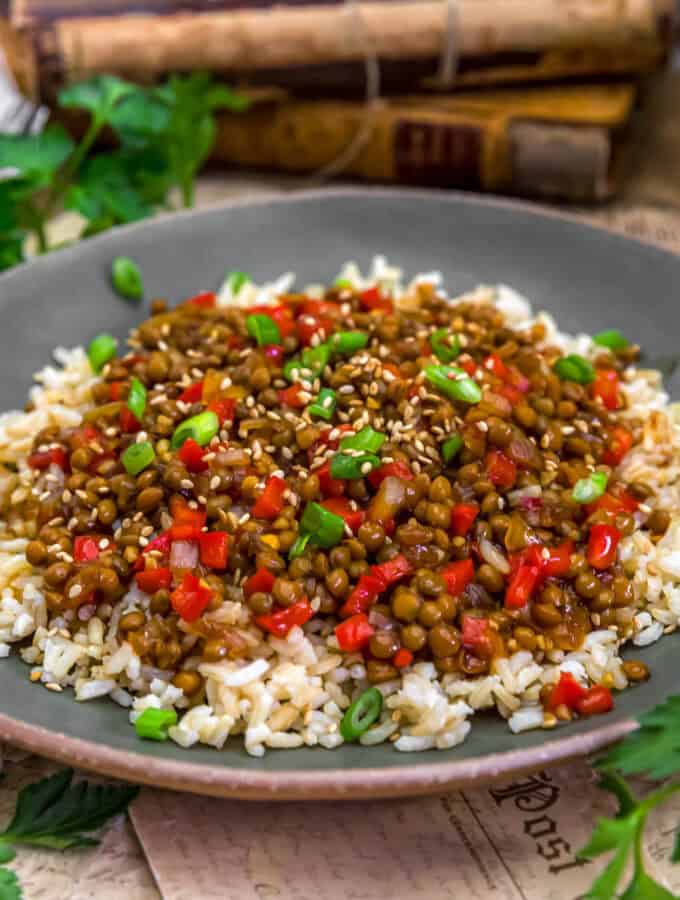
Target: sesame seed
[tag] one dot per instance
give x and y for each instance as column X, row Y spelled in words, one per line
column 104, row 543
column 75, row 591
column 215, row 482
column 186, row 483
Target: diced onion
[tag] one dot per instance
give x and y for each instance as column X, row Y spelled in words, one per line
column 493, row 556
column 184, row 555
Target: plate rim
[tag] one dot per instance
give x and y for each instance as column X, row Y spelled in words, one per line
column 323, row 784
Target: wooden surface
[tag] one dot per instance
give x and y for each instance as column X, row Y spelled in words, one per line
column 648, row 208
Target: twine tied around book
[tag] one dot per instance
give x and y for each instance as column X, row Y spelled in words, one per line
column 444, row 80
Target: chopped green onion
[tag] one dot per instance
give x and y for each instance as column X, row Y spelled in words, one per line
column 137, row 399
column 324, row 405
column 126, row 278
column 343, row 283
column 445, row 345
column 367, row 439
column 263, row 329
column 361, row 714
column 311, row 364
column 587, row 490
column 137, row 457
column 454, row 383
column 575, row 368
column 153, row 724
column 202, row 428
column 344, row 465
column 235, row 281
column 612, row 339
column 348, row 341
column 324, row 528
column 451, row 447
column 299, row 546
column 101, row 350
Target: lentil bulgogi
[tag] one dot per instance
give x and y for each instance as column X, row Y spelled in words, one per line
column 356, row 514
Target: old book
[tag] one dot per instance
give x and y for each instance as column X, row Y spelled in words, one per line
column 323, row 45
column 543, row 142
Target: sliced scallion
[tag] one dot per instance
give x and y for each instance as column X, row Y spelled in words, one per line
column 324, row 528
column 202, row 428
column 101, row 350
column 263, row 329
column 324, row 405
column 454, row 383
column 445, row 345
column 350, row 467
column 136, row 400
column 575, row 368
column 451, row 447
column 587, row 490
column 153, row 724
column 126, row 278
column 137, row 457
column 367, row 439
column 612, row 339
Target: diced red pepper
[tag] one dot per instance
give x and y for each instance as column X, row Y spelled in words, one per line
column 274, row 353
column 340, row 506
column 192, row 455
column 270, row 502
column 116, row 390
column 86, row 435
column 224, row 409
column 397, row 469
column 354, row 633
column 260, row 583
column 567, row 692
column 597, row 699
column 308, row 326
column 496, row 365
column 86, row 548
column 152, row 580
column 619, row 444
column 206, row 300
column 512, row 394
column 388, row 526
column 558, row 563
column 603, row 541
column 467, row 364
column 501, row 470
column 524, row 581
column 463, row 516
column 615, row 501
column 402, row 658
column 290, row 396
column 161, row 543
column 54, row 456
column 282, row 315
column 458, row 575
column 326, row 308
column 191, row 598
column 329, row 487
column 476, row 636
column 373, row 299
column 214, row 549
column 606, row 387
column 393, row 570
column 281, row 622
column 187, row 523
column 193, row 393
column 129, row 423
column 364, row 595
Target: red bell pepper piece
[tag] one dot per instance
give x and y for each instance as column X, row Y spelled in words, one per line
column 308, row 326
column 187, row 523
column 86, row 548
column 281, row 622
column 602, row 543
column 501, row 470
column 192, row 455
column 129, row 423
column 274, row 353
column 615, row 501
column 327, row 308
column 606, row 388
column 116, row 390
column 329, row 487
column 496, row 365
column 260, row 583
column 597, row 699
column 525, row 580
column 467, row 364
column 341, row 507
column 290, row 396
column 476, row 636
column 458, row 575
column 354, row 633
column 397, row 469
column 86, row 435
column 567, row 692
column 191, row 598
column 193, row 393
column 512, row 394
column 54, row 456
column 364, row 595
column 206, row 300
column 392, row 571
column 558, row 563
column 621, row 441
column 402, row 658
column 462, row 517
column 270, row 502
column 152, row 580
column 224, row 409
column 282, row 315
column 214, row 549
column 373, row 299
column 161, row 543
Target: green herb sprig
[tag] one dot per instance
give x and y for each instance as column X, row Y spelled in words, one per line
column 164, row 135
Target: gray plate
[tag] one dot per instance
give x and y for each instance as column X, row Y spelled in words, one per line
column 588, row 278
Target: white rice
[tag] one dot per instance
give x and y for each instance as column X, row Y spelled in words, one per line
column 294, row 691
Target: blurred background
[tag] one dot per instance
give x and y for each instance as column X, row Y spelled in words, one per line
column 573, row 102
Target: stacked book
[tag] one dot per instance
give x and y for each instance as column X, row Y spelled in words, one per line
column 531, row 97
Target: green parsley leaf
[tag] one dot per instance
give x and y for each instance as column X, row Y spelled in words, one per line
column 99, row 95
column 608, row 835
column 7, row 853
column 57, row 814
column 9, row 885
column 139, row 117
column 654, row 749
column 106, row 190
column 642, row 887
column 36, row 155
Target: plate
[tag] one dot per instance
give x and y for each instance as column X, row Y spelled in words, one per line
column 589, row 278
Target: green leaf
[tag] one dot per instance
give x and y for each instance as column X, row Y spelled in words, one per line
column 10, row 889
column 608, row 835
column 35, row 155
column 654, row 749
column 222, row 97
column 56, row 813
column 642, row 887
column 11, row 249
column 139, row 117
column 100, row 95
column 610, row 781
column 105, row 190
column 7, row 853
